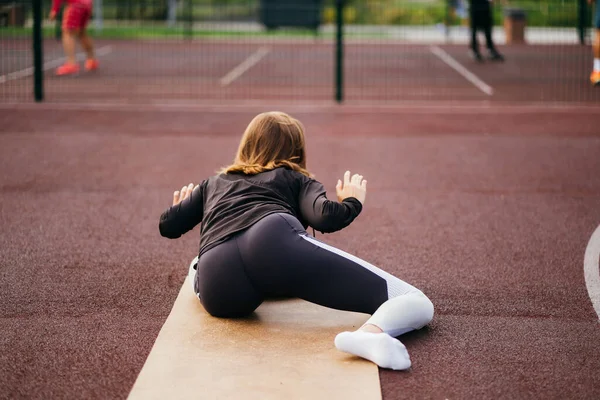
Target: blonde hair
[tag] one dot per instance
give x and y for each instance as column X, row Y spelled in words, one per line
column 271, row 140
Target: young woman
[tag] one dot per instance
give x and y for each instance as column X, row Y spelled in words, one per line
column 254, row 244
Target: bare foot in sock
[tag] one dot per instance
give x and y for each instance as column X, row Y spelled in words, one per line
column 380, row 348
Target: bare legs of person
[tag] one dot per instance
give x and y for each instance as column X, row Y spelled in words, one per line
column 91, row 63
column 69, row 38
column 68, row 42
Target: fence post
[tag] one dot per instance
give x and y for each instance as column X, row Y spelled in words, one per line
column 581, row 20
column 339, row 52
column 38, row 56
column 190, row 19
column 172, row 13
column 447, row 21
column 98, row 18
column 58, row 24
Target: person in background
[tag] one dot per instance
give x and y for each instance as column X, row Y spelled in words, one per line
column 480, row 13
column 76, row 16
column 595, row 77
column 459, row 10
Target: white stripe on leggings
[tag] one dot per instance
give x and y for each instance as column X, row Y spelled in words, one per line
column 395, row 286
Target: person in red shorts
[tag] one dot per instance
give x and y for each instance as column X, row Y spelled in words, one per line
column 595, row 77
column 75, row 19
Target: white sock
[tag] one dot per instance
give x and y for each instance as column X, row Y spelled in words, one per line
column 403, row 313
column 597, row 64
column 380, row 348
column 192, row 272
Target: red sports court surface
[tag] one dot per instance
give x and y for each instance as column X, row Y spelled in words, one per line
column 488, row 209
column 300, row 70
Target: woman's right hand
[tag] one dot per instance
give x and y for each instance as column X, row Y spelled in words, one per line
column 185, row 192
column 352, row 187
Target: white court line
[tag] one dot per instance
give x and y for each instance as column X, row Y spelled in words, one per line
column 244, row 66
column 226, row 106
column 591, row 269
column 102, row 51
column 458, row 67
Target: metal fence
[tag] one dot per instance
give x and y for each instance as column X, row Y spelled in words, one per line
column 245, row 50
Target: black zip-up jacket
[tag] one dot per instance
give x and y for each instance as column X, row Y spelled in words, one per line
column 226, row 204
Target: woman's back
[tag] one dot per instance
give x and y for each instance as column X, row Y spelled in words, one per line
column 226, row 204
column 234, row 202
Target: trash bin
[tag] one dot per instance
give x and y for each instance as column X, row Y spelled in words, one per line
column 293, row 13
column 515, row 21
column 12, row 14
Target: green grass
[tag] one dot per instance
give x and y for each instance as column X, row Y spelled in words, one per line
column 549, row 13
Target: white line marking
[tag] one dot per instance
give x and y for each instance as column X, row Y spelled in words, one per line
column 458, row 67
column 591, row 269
column 244, row 66
column 227, row 106
column 102, row 51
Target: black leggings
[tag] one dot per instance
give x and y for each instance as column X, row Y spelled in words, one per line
column 481, row 19
column 276, row 257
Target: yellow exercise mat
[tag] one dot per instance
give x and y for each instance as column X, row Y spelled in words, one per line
column 284, row 350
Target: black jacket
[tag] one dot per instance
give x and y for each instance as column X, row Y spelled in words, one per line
column 227, row 204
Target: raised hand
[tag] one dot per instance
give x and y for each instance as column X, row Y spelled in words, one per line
column 352, row 187
column 180, row 195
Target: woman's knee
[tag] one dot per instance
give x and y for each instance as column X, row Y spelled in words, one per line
column 227, row 302
column 426, row 308
column 71, row 33
column 223, row 310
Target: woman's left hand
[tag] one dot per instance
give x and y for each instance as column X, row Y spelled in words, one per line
column 185, row 192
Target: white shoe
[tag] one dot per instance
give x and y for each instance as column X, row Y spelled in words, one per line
column 192, row 272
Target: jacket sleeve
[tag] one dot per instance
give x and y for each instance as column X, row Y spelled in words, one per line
column 183, row 217
column 325, row 215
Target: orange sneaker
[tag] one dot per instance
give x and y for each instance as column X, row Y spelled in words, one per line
column 67, row 69
column 595, row 78
column 91, row 64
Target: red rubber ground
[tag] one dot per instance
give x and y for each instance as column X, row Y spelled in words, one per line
column 488, row 211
